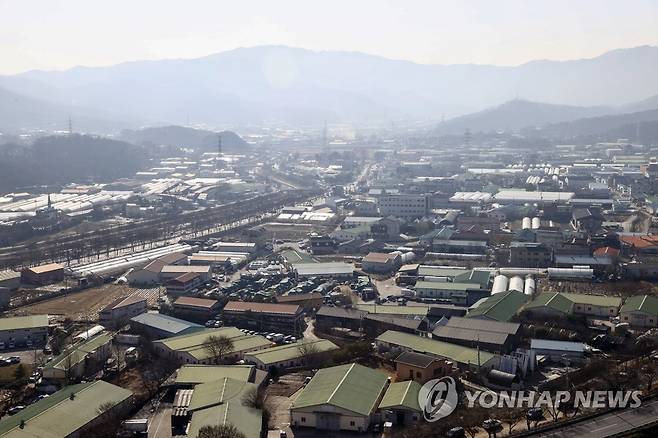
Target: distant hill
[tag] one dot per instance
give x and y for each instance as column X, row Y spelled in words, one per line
column 642, row 105
column 601, row 126
column 64, row 159
column 517, row 114
column 291, row 85
column 18, row 112
column 179, row 136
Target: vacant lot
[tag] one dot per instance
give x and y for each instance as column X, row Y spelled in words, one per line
column 85, row 305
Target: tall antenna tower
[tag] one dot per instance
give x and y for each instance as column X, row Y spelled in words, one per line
column 325, row 144
column 70, row 126
column 219, row 152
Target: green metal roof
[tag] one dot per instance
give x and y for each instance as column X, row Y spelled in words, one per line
column 58, row 416
column 480, row 277
column 593, row 300
column 393, row 309
column 78, row 353
column 193, row 343
column 217, row 392
column 436, row 271
column 283, row 353
column 500, row 307
column 352, row 387
column 246, row 419
column 402, row 395
column 195, row 374
column 23, row 322
column 453, row 352
column 553, row 300
column 641, row 303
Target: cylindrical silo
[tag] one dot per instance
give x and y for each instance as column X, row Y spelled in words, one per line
column 529, row 286
column 516, row 283
column 526, row 224
column 499, row 284
column 536, row 223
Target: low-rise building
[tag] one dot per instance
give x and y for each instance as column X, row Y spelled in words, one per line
column 459, row 293
column 80, row 360
column 335, row 270
column 184, row 284
column 284, row 318
column 498, row 307
column 118, row 313
column 421, row 367
column 400, row 404
column 293, row 355
column 159, row 326
column 44, row 274
column 309, row 301
column 72, row 412
column 494, row 336
column 23, row 331
column 562, row 304
column 192, row 348
column 558, row 351
column 640, row 311
column 169, row 272
column 10, row 280
column 381, row 263
column 344, row 397
column 463, row 357
column 195, row 309
column 530, row 254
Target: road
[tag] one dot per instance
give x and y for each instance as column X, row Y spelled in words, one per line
column 608, row 424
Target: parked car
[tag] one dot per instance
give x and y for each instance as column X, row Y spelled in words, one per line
column 15, row 410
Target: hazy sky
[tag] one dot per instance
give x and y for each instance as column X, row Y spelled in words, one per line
column 58, row 34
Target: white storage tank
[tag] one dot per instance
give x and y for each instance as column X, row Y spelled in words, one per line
column 499, row 284
column 526, row 224
column 536, row 223
column 516, row 283
column 408, row 257
column 530, row 286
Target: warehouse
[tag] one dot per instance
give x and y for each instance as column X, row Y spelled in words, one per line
column 80, row 360
column 498, row 307
column 215, row 403
column 343, row 397
column 493, row 336
column 284, row 318
column 400, row 404
column 23, row 331
column 10, row 279
column 421, row 367
column 464, row 357
column 335, row 270
column 159, row 326
column 381, row 263
column 195, row 309
column 248, row 247
column 310, row 301
column 118, row 313
column 44, row 274
column 190, row 348
column 457, row 293
column 172, row 271
column 70, row 412
column 189, row 375
column 558, row 351
column 184, row 284
column 290, row 355
column 640, row 311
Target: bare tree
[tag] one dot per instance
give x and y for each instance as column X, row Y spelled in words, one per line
column 218, row 347
column 220, row 431
column 512, row 417
column 308, row 352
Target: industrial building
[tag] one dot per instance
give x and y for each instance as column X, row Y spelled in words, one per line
column 493, row 336
column 640, row 311
column 309, row 301
column 10, row 280
column 190, row 348
column 463, row 357
column 343, row 397
column 159, row 326
column 400, row 404
column 403, row 205
column 293, row 355
column 118, row 313
column 44, row 274
column 73, row 412
column 184, row 284
column 283, row 318
column 23, row 331
column 381, row 263
column 80, row 360
column 196, row 309
column 421, row 367
column 335, row 270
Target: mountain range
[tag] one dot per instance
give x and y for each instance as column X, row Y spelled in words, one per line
column 299, row 86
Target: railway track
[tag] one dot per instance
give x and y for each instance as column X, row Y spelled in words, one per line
column 123, row 236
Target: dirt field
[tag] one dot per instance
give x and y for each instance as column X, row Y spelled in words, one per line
column 85, row 305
